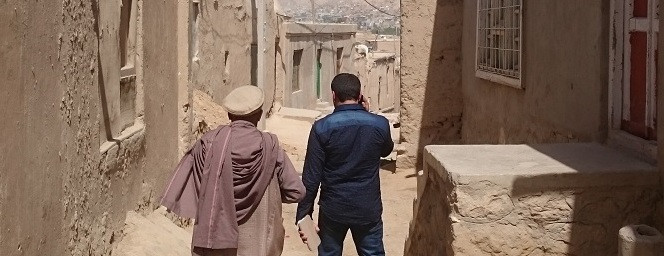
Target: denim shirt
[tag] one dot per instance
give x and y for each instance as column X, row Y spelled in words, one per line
column 343, row 158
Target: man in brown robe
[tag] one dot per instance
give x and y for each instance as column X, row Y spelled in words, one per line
column 233, row 182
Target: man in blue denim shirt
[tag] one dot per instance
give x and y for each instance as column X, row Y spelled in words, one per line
column 343, row 157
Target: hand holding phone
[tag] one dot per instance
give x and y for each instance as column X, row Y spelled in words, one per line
column 309, row 233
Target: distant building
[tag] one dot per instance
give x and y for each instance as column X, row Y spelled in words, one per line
column 384, row 44
column 310, row 56
column 379, row 74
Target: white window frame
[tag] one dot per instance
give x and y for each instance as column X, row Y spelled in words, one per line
column 497, row 73
column 621, row 24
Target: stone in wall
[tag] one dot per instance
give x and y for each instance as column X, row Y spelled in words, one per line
column 560, row 199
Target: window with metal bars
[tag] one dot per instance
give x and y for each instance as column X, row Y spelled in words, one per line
column 499, row 41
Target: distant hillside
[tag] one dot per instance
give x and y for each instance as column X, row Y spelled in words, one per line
column 390, row 6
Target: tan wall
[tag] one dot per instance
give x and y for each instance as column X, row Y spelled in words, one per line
column 660, row 125
column 224, row 26
column 270, row 30
column 33, row 130
column 565, row 72
column 431, row 100
column 63, row 191
column 385, row 45
column 380, row 83
column 185, row 91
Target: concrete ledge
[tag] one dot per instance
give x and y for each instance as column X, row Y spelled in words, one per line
column 547, row 166
column 554, row 199
column 299, row 114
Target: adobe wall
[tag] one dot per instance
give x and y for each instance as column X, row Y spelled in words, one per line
column 431, row 99
column 660, row 125
column 224, row 54
column 185, row 90
column 65, row 190
column 34, row 129
column 380, row 81
column 565, row 75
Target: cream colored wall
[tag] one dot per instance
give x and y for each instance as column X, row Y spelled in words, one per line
column 63, row 191
column 565, row 75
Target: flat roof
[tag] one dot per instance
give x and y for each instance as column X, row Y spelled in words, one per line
column 545, row 165
column 319, row 28
column 381, row 55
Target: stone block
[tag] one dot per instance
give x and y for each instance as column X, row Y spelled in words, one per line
column 555, row 199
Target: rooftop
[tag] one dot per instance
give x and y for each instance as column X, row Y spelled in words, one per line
column 319, row 28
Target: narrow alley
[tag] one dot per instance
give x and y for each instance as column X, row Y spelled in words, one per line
column 157, row 235
column 519, row 127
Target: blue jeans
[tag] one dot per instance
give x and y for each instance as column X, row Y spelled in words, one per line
column 368, row 238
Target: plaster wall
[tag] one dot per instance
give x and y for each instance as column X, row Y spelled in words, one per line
column 225, row 38
column 185, row 90
column 660, row 125
column 380, row 81
column 385, row 45
column 431, row 99
column 66, row 187
column 564, row 75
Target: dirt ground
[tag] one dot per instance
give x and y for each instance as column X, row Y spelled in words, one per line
column 398, row 192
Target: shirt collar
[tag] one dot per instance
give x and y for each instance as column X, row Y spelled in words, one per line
column 242, row 123
column 348, row 107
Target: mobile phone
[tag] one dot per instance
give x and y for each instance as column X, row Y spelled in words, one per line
column 306, row 225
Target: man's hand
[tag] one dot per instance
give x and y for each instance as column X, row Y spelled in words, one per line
column 365, row 103
column 303, row 237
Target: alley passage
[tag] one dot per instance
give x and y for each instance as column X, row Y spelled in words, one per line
column 156, row 233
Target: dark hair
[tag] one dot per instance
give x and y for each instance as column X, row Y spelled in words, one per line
column 346, row 87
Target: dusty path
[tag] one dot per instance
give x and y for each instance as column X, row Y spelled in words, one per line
column 398, row 192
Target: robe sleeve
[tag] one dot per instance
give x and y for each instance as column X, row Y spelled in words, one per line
column 292, row 188
column 182, row 192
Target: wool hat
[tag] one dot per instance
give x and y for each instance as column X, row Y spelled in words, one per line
column 244, row 100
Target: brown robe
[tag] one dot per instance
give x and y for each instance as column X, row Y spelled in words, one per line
column 223, row 182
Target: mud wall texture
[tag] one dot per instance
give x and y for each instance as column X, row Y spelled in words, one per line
column 65, row 187
column 431, row 100
column 565, row 75
column 222, row 59
column 660, row 116
column 426, row 237
column 34, row 127
column 552, row 223
column 380, row 80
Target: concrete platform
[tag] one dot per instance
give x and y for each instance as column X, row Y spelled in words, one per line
column 299, row 114
column 553, row 199
column 563, row 165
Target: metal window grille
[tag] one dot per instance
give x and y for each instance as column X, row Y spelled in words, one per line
column 499, row 40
